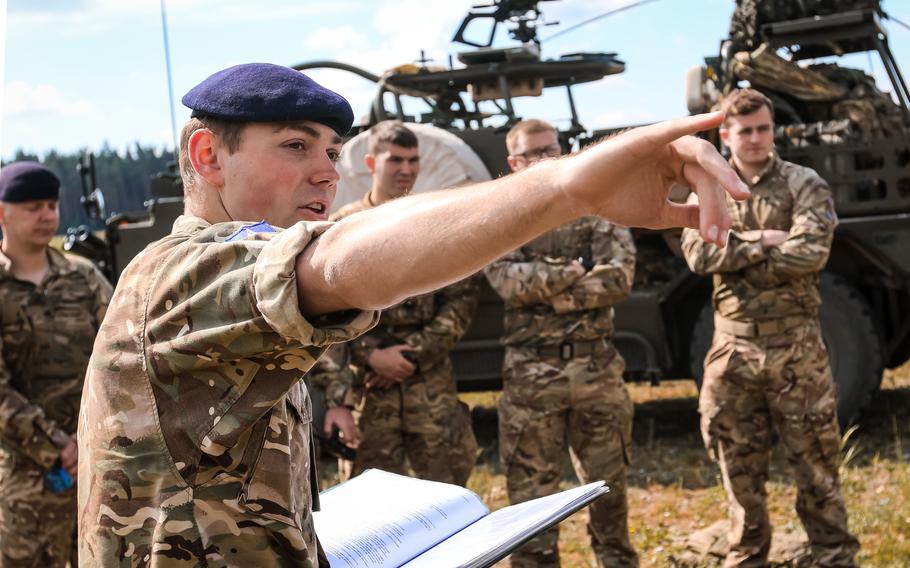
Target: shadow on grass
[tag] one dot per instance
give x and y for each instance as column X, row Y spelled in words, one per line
column 884, row 432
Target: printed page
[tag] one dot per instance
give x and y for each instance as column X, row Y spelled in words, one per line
column 380, row 519
column 494, row 536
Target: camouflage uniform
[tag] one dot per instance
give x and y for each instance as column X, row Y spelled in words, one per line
column 194, row 434
column 562, row 378
column 46, row 340
column 768, row 366
column 329, row 384
column 422, row 420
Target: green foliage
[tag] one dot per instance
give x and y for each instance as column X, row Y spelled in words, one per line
column 122, row 177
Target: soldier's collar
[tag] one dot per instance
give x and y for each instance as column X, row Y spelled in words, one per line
column 189, row 224
column 57, row 262
column 772, row 163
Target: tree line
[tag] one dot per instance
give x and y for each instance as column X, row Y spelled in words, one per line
column 123, row 177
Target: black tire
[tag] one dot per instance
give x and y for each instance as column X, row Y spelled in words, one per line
column 849, row 331
column 702, row 335
column 854, row 346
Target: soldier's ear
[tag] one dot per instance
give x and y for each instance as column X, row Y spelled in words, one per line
column 369, row 161
column 203, row 154
column 724, row 134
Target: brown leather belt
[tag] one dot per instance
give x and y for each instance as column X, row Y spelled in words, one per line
column 572, row 349
column 758, row 328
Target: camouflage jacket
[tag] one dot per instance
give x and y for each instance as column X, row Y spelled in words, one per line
column 332, row 374
column 194, row 434
column 353, row 207
column 754, row 285
column 431, row 323
column 549, row 298
column 46, row 339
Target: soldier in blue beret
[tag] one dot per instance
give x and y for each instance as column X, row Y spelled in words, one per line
column 195, row 426
column 50, row 307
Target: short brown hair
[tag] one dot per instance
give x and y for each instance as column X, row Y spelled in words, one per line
column 742, row 102
column 390, row 132
column 530, row 126
column 228, row 131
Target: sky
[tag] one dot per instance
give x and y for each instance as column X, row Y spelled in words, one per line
column 80, row 74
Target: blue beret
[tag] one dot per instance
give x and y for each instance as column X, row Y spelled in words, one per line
column 27, row 181
column 262, row 92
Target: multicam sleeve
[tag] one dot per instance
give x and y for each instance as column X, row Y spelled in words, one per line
column 360, row 350
column 215, row 311
column 332, row 373
column 25, row 426
column 455, row 309
column 275, row 288
column 743, row 250
column 811, row 232
column 610, row 279
column 521, row 280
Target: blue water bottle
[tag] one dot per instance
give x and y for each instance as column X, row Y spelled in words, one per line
column 57, row 479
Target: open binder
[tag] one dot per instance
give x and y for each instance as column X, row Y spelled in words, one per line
column 385, row 520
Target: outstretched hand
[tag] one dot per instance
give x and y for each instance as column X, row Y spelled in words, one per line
column 628, row 178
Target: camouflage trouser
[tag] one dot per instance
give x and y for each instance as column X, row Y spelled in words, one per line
column 421, row 421
column 547, row 401
column 37, row 527
column 784, row 381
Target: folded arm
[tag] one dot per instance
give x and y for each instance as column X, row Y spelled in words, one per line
column 610, row 278
column 523, row 280
column 805, row 250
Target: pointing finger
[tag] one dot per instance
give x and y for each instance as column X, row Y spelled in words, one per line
column 663, row 133
column 713, row 218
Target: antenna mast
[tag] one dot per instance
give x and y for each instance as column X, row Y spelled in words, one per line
column 170, row 86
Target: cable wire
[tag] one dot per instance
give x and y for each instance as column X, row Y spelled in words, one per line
column 170, row 86
column 892, row 18
column 601, row 16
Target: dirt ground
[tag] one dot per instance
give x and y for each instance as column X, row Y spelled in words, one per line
column 675, row 489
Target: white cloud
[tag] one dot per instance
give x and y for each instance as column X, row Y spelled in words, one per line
column 91, row 17
column 246, row 12
column 321, row 39
column 420, row 21
column 23, row 99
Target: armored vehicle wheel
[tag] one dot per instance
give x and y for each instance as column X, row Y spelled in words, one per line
column 702, row 334
column 854, row 349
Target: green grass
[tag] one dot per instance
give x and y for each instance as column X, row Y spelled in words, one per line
column 675, row 489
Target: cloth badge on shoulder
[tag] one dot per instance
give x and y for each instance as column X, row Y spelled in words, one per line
column 250, row 230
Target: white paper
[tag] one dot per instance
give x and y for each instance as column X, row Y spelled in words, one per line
column 380, row 519
column 503, row 527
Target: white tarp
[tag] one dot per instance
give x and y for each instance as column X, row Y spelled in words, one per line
column 445, row 161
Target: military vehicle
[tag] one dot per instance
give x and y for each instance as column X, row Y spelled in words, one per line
column 665, row 326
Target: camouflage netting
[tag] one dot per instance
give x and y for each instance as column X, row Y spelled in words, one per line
column 820, row 104
column 750, row 15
